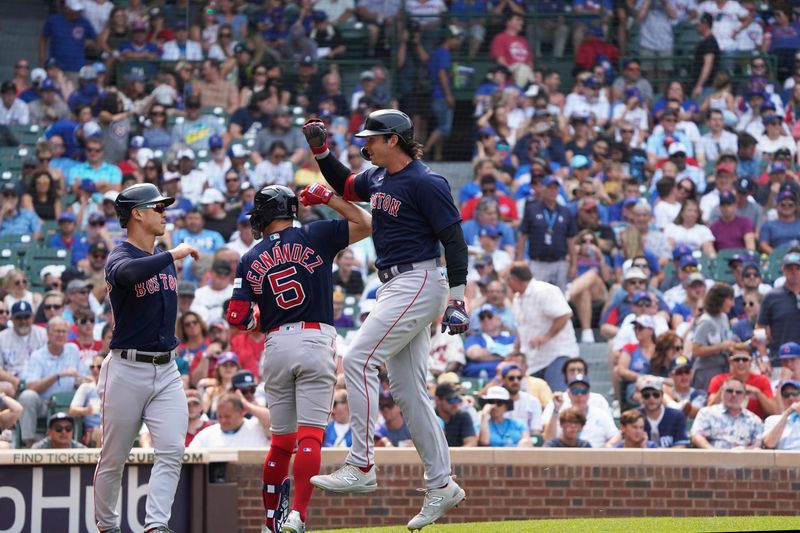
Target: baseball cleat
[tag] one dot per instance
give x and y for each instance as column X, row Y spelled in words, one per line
column 294, row 524
column 437, row 503
column 347, row 480
column 275, row 517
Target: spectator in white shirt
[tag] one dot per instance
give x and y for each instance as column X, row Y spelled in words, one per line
column 211, row 297
column 12, row 109
column 233, row 430
column 717, row 140
column 181, row 48
column 599, row 428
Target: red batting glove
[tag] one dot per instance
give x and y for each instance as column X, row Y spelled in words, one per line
column 316, row 136
column 315, row 194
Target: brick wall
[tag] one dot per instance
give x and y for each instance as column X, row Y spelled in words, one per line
column 546, row 483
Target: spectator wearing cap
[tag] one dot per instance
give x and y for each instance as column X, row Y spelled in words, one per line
column 657, row 144
column 713, row 338
column 572, row 421
column 446, row 351
column 621, row 305
column 60, row 434
column 746, row 205
column 731, row 230
column 233, row 430
column 280, row 129
column 193, row 180
column 211, row 297
column 664, row 426
column 544, row 326
column 219, row 164
column 634, row 358
column 687, row 167
column 255, row 112
column 66, row 238
column 783, row 230
column 760, row 399
column 717, row 140
column 780, row 178
column 64, row 37
column 245, row 386
column 689, row 229
column 87, row 92
column 106, row 177
column 93, row 267
column 680, row 394
column 338, row 434
column 497, row 429
column 86, row 405
column 748, row 164
column 688, row 299
column 489, row 244
column 79, row 296
column 214, row 90
column 633, row 110
column 215, row 217
column 197, row 127
column 242, row 241
column 55, row 367
column 727, row 425
column 599, row 427
column 17, row 343
column 782, row 431
column 775, row 135
column 49, row 108
column 485, row 350
column 14, row 219
column 83, row 337
column 548, row 229
column 393, row 430
column 527, row 408
column 780, row 310
column 181, row 48
column 644, row 303
column 198, row 420
column 215, row 368
column 456, row 422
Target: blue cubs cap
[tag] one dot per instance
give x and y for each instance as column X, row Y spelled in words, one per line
column 638, row 296
column 21, row 308
column 776, row 167
column 243, row 379
column 47, row 85
column 745, row 185
column 489, row 132
column 592, row 83
column 88, row 185
column 215, row 141
column 743, row 257
column 227, row 357
column 579, row 161
column 727, row 198
column 790, row 382
column 688, row 260
column 549, row 180
column 630, row 201
column 509, row 368
column 787, row 194
column 789, row 350
column 66, row 216
column 631, row 92
column 137, row 141
column 680, row 251
column 244, row 218
column 488, row 231
column 751, row 266
column 680, row 362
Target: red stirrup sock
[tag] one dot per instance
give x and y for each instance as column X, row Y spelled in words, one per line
column 306, row 465
column 275, row 489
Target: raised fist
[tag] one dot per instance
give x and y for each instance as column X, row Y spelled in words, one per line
column 316, row 136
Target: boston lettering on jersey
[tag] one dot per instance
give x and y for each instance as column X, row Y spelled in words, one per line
column 155, row 284
column 385, row 202
column 278, row 255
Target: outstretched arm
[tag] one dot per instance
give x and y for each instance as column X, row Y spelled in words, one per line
column 359, row 221
column 335, row 173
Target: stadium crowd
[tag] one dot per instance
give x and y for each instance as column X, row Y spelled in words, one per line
column 660, row 219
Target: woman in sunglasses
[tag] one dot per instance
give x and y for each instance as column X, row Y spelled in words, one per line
column 593, row 273
column 15, row 287
column 713, row 339
column 193, row 334
column 157, row 133
column 743, row 329
column 86, row 404
column 634, row 359
column 496, row 429
column 760, row 399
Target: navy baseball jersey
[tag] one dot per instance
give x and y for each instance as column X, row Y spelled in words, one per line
column 143, row 290
column 409, row 209
column 288, row 274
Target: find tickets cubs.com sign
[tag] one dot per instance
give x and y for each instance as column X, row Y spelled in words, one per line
column 57, row 498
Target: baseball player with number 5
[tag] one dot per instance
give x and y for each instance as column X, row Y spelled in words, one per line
column 412, row 213
column 288, row 274
column 139, row 380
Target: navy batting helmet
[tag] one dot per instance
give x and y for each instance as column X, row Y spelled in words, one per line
column 272, row 202
column 388, row 122
column 137, row 196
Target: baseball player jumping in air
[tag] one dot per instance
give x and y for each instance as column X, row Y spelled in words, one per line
column 289, row 276
column 139, row 380
column 412, row 212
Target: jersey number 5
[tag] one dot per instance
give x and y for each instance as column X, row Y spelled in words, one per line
column 281, row 287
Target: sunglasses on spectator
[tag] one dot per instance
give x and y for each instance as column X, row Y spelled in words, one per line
column 740, row 359
column 158, row 114
column 789, row 204
column 44, row 159
column 99, row 255
column 759, row 65
column 678, row 347
column 736, row 392
column 260, row 73
column 190, row 323
column 790, row 393
column 683, row 372
column 514, row 378
column 248, row 390
column 98, row 223
column 685, row 189
column 84, row 321
column 636, row 281
column 453, row 400
column 651, row 394
column 640, row 265
column 21, row 282
column 62, row 429
column 751, row 275
column 95, row 367
column 385, row 406
column 231, row 180
column 690, row 269
column 750, row 304
column 82, row 291
column 158, row 208
column 626, row 131
column 579, row 390
column 495, row 402
column 4, row 311
column 94, row 150
column 22, row 317
column 643, row 303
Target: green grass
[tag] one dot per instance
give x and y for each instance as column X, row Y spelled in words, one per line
column 605, row 525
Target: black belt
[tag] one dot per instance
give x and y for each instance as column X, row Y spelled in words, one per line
column 388, row 273
column 154, row 358
column 548, row 259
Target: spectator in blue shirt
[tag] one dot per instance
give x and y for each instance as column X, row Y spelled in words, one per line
column 487, row 349
column 393, row 431
column 665, row 426
column 66, row 35
column 67, row 239
column 138, row 47
column 105, row 176
column 443, row 102
column 16, row 220
column 495, row 429
column 206, row 241
column 487, row 214
column 87, row 93
column 55, row 367
column 780, row 232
